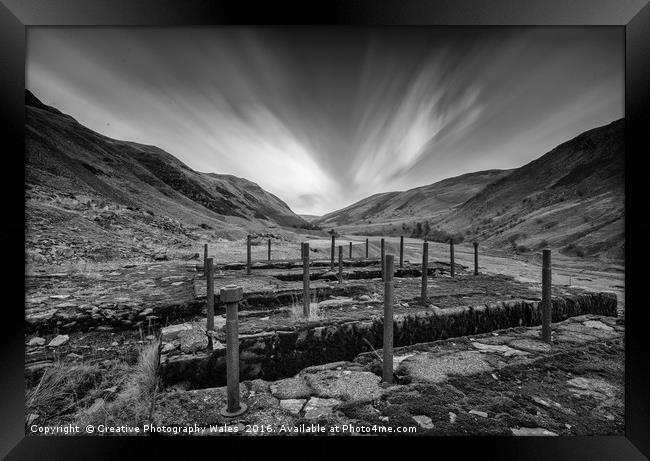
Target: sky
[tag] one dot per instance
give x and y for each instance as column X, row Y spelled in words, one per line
column 323, row 117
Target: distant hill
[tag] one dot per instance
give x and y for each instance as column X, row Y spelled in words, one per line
column 73, row 174
column 309, row 217
column 393, row 212
column 571, row 199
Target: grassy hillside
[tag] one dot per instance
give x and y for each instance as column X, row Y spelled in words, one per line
column 571, row 199
column 392, row 213
column 87, row 194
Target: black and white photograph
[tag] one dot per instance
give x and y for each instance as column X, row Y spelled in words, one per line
column 311, row 230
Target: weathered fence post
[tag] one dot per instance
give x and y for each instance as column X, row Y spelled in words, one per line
column 475, row 258
column 230, row 295
column 387, row 375
column 425, row 270
column 546, row 296
column 269, row 256
column 366, row 248
column 340, row 263
column 332, row 253
column 205, row 258
column 248, row 255
column 401, row 251
column 209, row 275
column 305, row 279
column 350, row 249
column 383, row 256
column 451, row 256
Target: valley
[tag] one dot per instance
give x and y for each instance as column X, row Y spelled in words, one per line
column 117, row 293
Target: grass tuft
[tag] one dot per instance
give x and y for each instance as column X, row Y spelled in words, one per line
column 82, row 394
column 62, row 389
column 135, row 403
column 297, row 310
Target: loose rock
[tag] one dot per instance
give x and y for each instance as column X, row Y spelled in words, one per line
column 293, row 405
column 527, row 431
column 36, row 341
column 317, row 407
column 424, row 421
column 59, row 340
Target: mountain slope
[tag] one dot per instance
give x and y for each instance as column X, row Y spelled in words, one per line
column 73, row 172
column 378, row 212
column 309, row 217
column 571, row 198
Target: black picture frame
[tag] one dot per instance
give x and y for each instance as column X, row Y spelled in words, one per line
column 633, row 15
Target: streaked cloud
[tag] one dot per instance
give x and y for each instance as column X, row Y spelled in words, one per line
column 322, row 117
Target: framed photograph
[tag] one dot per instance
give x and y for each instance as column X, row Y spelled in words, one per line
column 371, row 219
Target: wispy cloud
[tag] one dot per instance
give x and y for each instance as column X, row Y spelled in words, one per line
column 396, row 138
column 324, row 117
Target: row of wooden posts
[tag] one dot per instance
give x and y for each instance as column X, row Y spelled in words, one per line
column 231, row 295
column 249, row 261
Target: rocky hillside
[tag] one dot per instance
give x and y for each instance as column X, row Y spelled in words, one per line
column 90, row 196
column 571, row 199
column 398, row 212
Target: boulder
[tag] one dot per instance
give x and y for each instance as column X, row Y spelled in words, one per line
column 317, row 407
column 145, row 312
column 531, row 431
column 172, row 332
column 59, row 340
column 424, row 421
column 435, row 368
column 290, row 389
column 36, row 341
column 193, row 340
column 349, row 386
column 293, row 405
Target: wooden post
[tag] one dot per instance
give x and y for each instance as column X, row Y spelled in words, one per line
column 401, row 251
column 425, row 270
column 387, row 375
column 366, row 248
column 451, row 256
column 269, row 256
column 332, row 253
column 383, row 256
column 350, row 249
column 546, row 296
column 209, row 275
column 205, row 258
column 248, row 255
column 230, row 295
column 305, row 279
column 475, row 258
column 340, row 263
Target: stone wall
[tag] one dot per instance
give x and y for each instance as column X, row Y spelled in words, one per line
column 114, row 317
column 278, row 354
